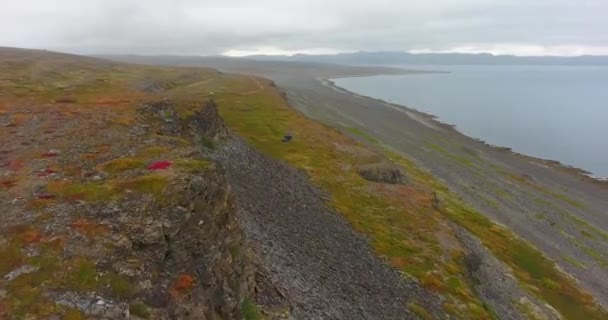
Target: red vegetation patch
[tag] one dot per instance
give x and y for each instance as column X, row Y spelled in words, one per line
column 7, row 184
column 88, row 228
column 66, row 100
column 31, row 236
column 46, row 172
column 183, row 285
column 160, row 165
column 4, row 309
column 50, row 154
column 46, row 196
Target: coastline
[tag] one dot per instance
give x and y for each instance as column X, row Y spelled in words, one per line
column 426, row 118
column 532, row 197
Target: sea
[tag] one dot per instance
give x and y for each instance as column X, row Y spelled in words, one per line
column 550, row 112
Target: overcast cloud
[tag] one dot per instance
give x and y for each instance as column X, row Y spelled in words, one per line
column 525, row 27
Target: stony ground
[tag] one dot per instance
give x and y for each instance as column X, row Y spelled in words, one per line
column 323, row 268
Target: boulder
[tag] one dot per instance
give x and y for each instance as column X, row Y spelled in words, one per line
column 382, row 172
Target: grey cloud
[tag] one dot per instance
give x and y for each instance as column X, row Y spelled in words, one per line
column 212, row 27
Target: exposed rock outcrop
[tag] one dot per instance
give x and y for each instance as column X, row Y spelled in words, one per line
column 383, row 172
column 139, row 226
column 198, row 248
column 203, row 125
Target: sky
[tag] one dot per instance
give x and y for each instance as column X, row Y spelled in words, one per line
column 242, row 27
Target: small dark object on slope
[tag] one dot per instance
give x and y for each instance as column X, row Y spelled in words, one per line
column 287, row 137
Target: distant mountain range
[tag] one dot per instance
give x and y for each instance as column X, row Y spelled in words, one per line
column 401, row 58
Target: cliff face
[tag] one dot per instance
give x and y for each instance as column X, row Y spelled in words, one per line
column 201, row 242
column 202, row 238
column 203, row 125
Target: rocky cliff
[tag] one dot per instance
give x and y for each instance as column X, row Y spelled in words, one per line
column 118, row 222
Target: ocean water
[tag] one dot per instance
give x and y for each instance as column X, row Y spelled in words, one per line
column 551, row 112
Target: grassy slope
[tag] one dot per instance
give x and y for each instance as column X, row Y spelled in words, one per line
column 399, row 220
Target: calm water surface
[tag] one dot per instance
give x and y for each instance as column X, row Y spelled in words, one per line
column 551, row 112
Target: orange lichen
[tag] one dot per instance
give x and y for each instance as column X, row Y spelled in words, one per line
column 432, row 281
column 182, row 285
column 30, row 236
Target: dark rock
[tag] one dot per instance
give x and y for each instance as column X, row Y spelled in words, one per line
column 204, row 125
column 287, row 137
column 382, row 172
column 94, row 306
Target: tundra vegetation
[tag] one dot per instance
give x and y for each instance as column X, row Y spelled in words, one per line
column 71, row 141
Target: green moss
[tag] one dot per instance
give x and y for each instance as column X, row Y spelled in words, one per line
column 120, row 287
column 91, row 191
column 587, row 234
column 567, row 200
column 574, row 262
column 454, row 283
column 556, row 195
column 490, row 311
column 151, row 184
column 419, row 310
column 139, row 309
column 82, row 275
column 548, row 283
column 122, row 164
column 208, row 143
column 250, row 311
column 193, row 166
column 236, row 251
column 589, row 229
column 73, row 314
column 153, row 152
column 362, row 134
column 464, row 160
column 11, row 257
